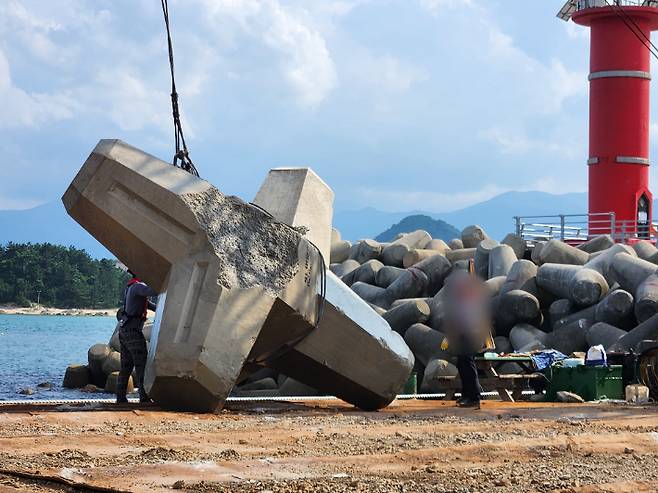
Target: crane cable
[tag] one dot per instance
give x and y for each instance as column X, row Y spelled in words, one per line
column 634, row 28
column 182, row 156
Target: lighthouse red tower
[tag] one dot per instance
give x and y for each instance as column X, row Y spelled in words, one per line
column 619, row 78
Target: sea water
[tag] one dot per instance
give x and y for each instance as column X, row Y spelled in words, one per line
column 36, row 349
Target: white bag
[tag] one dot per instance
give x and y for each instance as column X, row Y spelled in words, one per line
column 596, row 356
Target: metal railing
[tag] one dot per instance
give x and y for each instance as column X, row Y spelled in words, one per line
column 577, row 228
column 588, row 4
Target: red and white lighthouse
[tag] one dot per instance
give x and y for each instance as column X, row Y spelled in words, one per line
column 620, row 78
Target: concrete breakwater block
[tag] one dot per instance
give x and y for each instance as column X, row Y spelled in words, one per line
column 96, row 356
column 646, row 331
column 472, row 235
column 581, row 285
column 597, row 244
column 605, row 334
column 425, row 343
column 112, row 381
column 238, row 287
column 630, row 271
column 76, row 377
column 557, row 252
column 407, row 314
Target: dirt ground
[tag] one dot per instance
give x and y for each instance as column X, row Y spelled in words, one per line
column 326, row 446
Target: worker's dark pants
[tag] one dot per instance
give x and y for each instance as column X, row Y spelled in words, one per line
column 468, row 373
column 133, row 355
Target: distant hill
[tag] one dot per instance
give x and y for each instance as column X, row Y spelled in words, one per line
column 496, row 215
column 48, row 223
column 435, row 227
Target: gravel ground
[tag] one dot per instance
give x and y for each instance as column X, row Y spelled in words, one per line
column 413, row 446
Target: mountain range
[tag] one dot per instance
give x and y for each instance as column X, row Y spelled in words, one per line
column 50, row 223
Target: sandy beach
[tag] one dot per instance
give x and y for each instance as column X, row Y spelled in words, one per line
column 44, row 310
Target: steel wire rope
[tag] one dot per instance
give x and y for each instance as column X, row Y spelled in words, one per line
column 181, row 156
column 639, row 34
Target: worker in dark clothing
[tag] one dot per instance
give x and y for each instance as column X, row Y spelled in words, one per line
column 131, row 338
column 468, row 330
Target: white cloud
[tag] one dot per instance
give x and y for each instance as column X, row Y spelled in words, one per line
column 23, row 109
column 300, row 49
column 440, row 202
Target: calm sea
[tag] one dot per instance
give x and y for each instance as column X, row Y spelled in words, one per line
column 36, row 349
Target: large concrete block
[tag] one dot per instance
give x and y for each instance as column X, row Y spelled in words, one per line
column 235, row 285
column 353, row 353
column 299, row 197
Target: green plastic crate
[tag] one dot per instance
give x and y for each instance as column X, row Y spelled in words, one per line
column 589, row 382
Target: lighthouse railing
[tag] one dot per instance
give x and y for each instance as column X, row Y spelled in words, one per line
column 589, row 4
column 578, row 228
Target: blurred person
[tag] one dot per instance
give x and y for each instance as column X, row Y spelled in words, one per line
column 467, row 328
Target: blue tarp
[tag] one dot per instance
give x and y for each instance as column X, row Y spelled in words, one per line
column 544, row 359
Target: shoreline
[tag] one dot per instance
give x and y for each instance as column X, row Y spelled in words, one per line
column 48, row 311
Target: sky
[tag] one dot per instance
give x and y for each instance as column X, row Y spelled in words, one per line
column 397, row 104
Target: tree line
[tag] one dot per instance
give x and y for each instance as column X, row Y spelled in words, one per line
column 57, row 276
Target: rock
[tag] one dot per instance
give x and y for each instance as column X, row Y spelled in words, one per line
column 569, row 397
column 112, row 363
column 112, row 381
column 27, row 391
column 434, row 371
column 90, row 388
column 46, row 385
column 472, row 235
column 335, row 236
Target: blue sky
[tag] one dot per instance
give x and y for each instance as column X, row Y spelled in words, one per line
column 397, row 104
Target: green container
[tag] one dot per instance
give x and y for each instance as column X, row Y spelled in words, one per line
column 410, row 388
column 589, row 382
